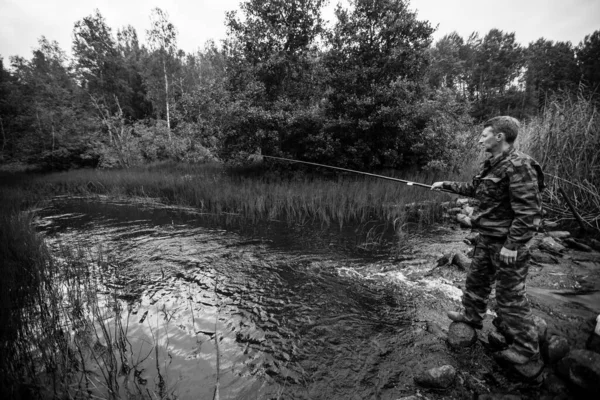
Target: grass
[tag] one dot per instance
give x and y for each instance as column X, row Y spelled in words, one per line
column 565, row 139
column 211, row 188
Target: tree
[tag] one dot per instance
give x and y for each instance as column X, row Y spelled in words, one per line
column 493, row 65
column 376, row 65
column 551, row 67
column 162, row 38
column 98, row 64
column 499, row 58
column 7, row 108
column 446, row 65
column 273, row 43
column 49, row 117
column 274, row 74
column 588, row 58
column 134, row 100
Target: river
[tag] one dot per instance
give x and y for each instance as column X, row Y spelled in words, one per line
column 269, row 315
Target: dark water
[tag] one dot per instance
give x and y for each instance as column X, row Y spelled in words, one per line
column 275, row 314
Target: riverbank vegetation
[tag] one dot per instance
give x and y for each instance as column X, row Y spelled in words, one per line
column 64, row 325
column 565, row 138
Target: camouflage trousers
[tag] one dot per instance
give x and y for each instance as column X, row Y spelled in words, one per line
column 514, row 316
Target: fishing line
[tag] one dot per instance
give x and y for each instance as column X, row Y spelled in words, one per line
column 389, row 178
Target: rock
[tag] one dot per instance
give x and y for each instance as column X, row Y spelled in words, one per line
column 461, row 335
column 498, row 396
column 542, row 258
column 549, row 224
column 593, row 343
column 574, row 244
column 549, row 243
column 531, row 370
column 555, row 384
column 461, row 261
column 468, row 210
column 475, row 385
column 435, row 330
column 555, row 348
column 463, row 220
column 581, row 368
column 413, row 397
column 559, row 234
column 534, row 242
column 445, row 259
column 542, row 328
column 497, row 341
column 471, row 238
column 440, row 377
column 455, row 210
column 462, row 201
column 594, row 244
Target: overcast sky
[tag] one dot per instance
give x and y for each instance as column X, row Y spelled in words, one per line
column 22, row 22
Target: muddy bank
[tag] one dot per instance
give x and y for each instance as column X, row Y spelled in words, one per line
column 270, row 317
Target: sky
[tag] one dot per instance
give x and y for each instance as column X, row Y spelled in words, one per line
column 23, row 22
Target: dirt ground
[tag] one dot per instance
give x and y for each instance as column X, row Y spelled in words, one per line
column 564, row 291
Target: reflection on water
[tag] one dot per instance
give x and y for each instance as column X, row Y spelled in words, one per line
column 268, row 316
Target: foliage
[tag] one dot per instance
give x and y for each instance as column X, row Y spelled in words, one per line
column 273, row 43
column 375, row 65
column 369, row 92
column 551, row 67
column 588, row 57
column 43, row 115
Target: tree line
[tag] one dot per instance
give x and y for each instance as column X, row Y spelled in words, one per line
column 370, row 91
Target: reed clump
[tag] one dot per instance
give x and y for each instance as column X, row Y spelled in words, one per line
column 212, row 188
column 565, row 138
column 62, row 333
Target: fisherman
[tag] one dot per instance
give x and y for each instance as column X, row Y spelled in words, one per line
column 509, row 191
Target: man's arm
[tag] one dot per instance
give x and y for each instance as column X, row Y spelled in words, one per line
column 461, row 188
column 526, row 203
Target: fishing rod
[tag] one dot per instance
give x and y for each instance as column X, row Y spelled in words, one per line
column 389, row 178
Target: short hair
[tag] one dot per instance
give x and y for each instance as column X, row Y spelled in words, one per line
column 505, row 124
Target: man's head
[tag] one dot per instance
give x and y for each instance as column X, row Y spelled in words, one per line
column 499, row 133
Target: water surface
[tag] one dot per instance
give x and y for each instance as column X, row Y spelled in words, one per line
column 275, row 313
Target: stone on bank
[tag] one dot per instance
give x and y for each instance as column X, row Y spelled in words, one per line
column 438, row 378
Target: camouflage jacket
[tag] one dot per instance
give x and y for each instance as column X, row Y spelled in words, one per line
column 509, row 189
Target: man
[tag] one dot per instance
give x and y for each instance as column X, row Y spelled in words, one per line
column 509, row 190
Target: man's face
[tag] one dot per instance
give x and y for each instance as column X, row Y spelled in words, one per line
column 489, row 140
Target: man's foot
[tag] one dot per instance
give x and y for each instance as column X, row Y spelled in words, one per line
column 460, row 317
column 512, row 356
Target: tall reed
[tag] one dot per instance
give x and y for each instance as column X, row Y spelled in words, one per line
column 62, row 333
column 565, row 139
column 337, row 201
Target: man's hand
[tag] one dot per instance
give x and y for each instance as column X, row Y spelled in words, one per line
column 437, row 186
column 508, row 256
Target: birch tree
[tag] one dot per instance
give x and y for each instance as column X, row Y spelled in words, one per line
column 162, row 38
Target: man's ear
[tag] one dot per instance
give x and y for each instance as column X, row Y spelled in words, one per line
column 501, row 137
